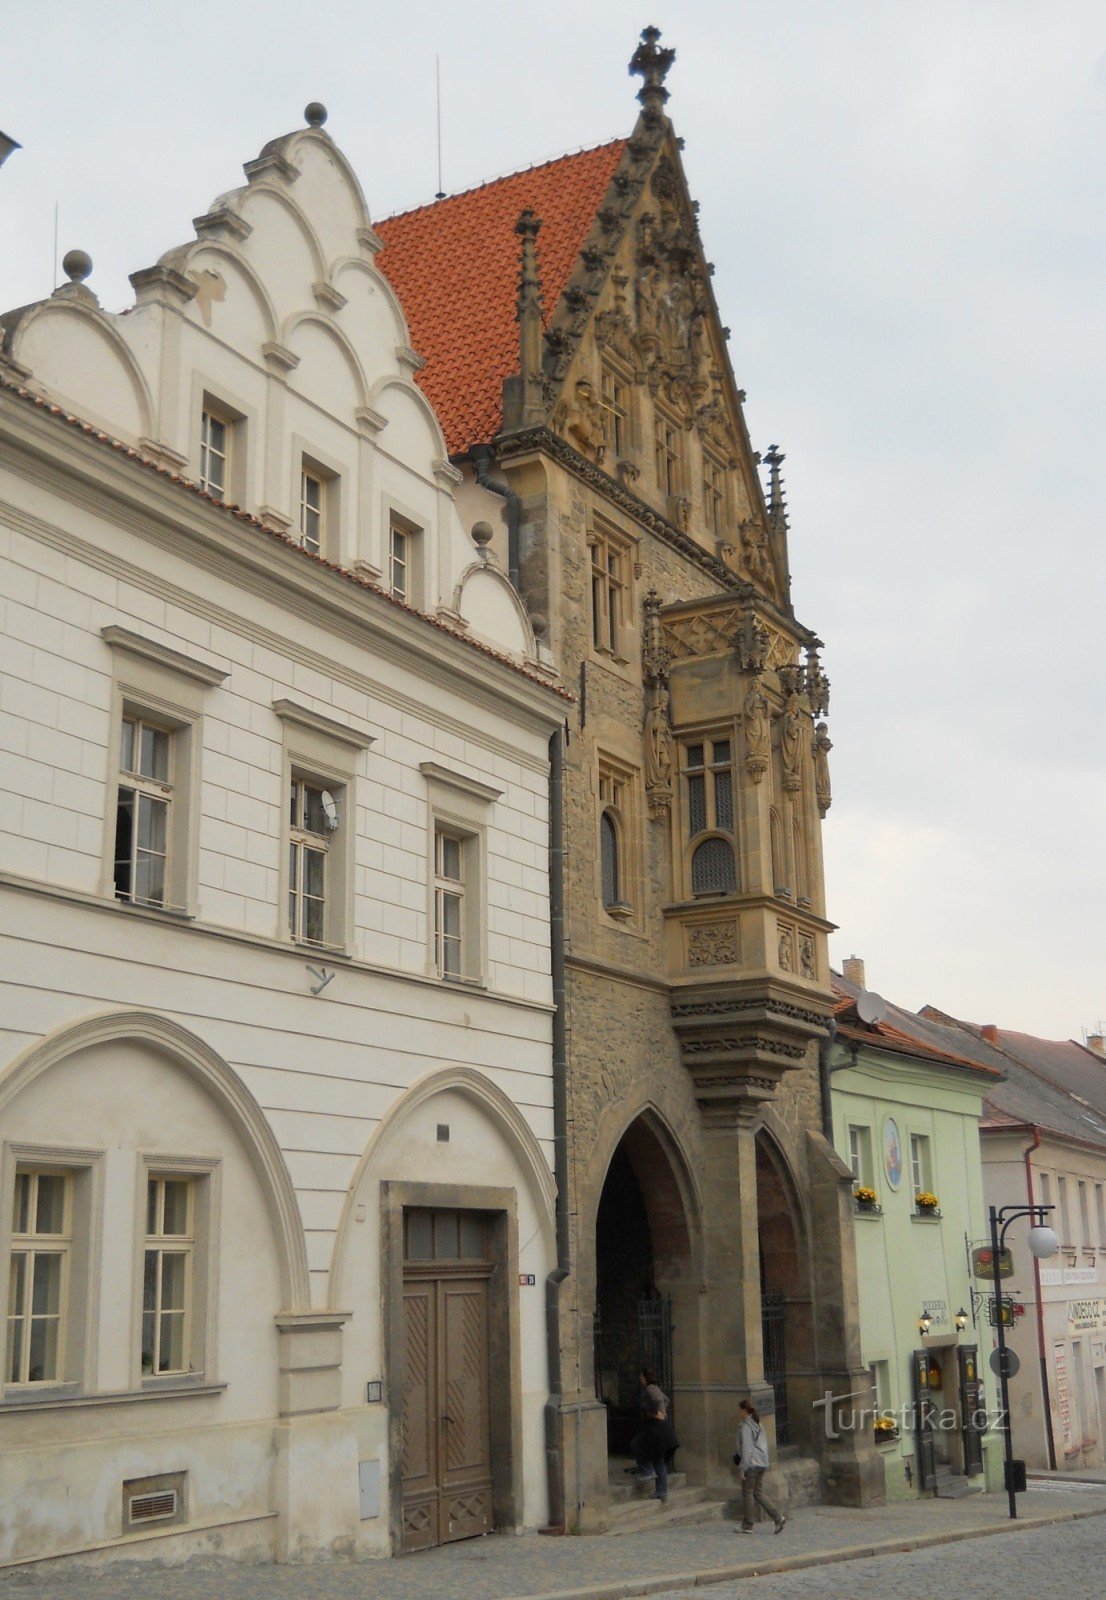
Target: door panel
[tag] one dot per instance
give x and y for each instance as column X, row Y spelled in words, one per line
column 447, row 1482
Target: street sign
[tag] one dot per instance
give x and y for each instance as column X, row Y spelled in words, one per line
column 983, row 1262
column 1005, row 1359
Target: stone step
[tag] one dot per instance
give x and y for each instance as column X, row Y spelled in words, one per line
column 626, row 1488
column 684, row 1506
column 949, row 1485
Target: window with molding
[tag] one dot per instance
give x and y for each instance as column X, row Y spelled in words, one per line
column 312, row 509
column 715, row 494
column 708, row 802
column 614, row 392
column 38, row 1286
column 322, row 762
column 617, row 839
column 860, row 1153
column 460, row 811
column 667, row 457
column 921, row 1168
column 216, row 434
column 167, row 1268
column 611, row 591
column 404, row 559
column 151, row 829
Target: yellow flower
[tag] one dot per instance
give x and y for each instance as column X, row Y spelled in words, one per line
column 925, row 1200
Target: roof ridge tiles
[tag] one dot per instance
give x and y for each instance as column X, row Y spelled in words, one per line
column 501, row 177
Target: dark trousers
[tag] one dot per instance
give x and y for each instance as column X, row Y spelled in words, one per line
column 750, row 1492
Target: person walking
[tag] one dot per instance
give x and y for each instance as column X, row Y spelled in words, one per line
column 752, row 1458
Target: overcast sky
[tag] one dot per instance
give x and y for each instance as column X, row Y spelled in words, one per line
column 905, row 203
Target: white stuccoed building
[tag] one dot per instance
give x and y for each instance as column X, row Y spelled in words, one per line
column 276, row 1098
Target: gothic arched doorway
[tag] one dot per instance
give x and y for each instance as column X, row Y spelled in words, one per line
column 643, row 1269
column 787, row 1321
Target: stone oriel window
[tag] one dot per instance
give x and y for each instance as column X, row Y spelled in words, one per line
column 708, row 806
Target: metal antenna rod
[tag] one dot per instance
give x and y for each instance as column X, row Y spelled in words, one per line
column 438, row 82
column 55, row 268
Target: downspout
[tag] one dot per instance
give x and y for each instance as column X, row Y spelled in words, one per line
column 1027, row 1159
column 554, row 1451
column 825, row 1046
column 482, row 456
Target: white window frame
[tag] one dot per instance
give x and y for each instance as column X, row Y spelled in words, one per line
column 32, row 1246
column 302, row 841
column 204, row 1176
column 459, row 807
column 150, row 793
column 449, row 895
column 329, row 755
column 312, row 510
column 331, row 475
column 211, row 399
column 859, row 1137
column 166, row 689
column 216, row 451
column 161, row 1246
column 83, row 1170
column 921, row 1164
column 404, row 555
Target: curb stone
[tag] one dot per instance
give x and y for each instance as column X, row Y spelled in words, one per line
column 629, row 1588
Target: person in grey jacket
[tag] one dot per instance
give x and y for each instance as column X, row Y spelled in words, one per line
column 752, row 1455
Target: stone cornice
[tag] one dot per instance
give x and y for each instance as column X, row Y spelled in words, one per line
column 434, row 772
column 304, row 717
column 163, row 656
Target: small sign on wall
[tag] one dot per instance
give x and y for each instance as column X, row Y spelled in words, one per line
column 527, row 1280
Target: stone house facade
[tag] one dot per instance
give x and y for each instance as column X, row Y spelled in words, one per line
column 576, row 356
column 276, row 1101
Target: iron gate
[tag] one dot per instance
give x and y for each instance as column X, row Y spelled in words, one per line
column 654, row 1342
column 773, row 1327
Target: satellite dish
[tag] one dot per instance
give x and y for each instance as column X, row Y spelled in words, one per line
column 871, row 1007
column 330, row 810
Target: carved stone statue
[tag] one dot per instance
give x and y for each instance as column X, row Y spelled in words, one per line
column 786, row 948
column 806, row 956
column 822, row 747
column 658, row 750
column 757, row 732
column 791, row 742
column 580, row 420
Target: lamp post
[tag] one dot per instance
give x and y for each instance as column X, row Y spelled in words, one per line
column 1042, row 1243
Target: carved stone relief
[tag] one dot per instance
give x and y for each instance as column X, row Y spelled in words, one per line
column 757, row 732
column 785, row 948
column 658, row 749
column 791, row 742
column 822, row 747
column 580, row 421
column 713, row 944
column 806, row 956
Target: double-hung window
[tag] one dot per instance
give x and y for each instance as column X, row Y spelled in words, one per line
column 313, row 819
column 142, row 812
column 403, row 558
column 215, row 438
column 920, row 1173
column 167, row 1275
column 860, row 1153
column 42, row 1238
column 312, row 505
column 449, row 903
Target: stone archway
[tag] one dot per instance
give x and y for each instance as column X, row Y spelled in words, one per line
column 643, row 1278
column 787, row 1310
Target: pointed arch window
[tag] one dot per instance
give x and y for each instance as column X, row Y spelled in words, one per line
column 616, row 840
column 708, row 795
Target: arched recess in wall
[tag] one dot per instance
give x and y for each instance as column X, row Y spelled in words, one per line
column 261, row 189
column 220, row 1081
column 779, row 866
column 248, row 274
column 495, row 1105
column 646, row 1122
column 412, row 393
column 335, row 334
column 88, row 319
column 480, row 574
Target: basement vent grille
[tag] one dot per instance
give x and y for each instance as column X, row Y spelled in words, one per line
column 152, row 1507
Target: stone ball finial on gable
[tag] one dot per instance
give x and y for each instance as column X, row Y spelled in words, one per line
column 77, row 265
column 314, row 114
column 481, row 534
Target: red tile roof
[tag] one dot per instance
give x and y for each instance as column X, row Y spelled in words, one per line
column 455, row 266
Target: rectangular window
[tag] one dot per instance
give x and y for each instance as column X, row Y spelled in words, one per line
column 167, row 1275
column 449, row 903
column 215, row 440
column 1100, row 1213
column 618, row 846
column 1084, row 1216
column 313, row 821
column 614, row 395
column 610, row 581
column 708, row 775
column 399, row 563
column 666, row 454
column 1064, row 1229
column 42, row 1238
column 142, row 813
column 880, row 1373
column 714, row 494
column 312, row 504
column 919, row 1163
column 860, row 1153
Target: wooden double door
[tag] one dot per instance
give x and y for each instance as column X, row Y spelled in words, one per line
column 447, row 1470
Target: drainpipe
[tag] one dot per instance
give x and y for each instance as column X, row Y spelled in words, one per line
column 1027, row 1158
column 482, row 456
column 554, row 1453
column 825, row 1046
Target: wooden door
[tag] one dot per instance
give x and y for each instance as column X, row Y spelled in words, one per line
column 972, row 1403
column 447, row 1479
column 923, row 1421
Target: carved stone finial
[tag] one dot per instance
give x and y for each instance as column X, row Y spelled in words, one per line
column 777, row 501
column 651, row 64
column 481, row 534
column 77, row 265
column 654, row 653
column 751, row 642
column 817, row 684
column 314, row 114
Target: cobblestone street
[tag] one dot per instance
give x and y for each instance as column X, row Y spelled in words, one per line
column 1063, row 1556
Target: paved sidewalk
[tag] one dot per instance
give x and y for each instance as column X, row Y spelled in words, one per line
column 530, row 1566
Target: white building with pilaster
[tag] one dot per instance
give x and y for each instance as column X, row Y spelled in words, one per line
column 276, row 1125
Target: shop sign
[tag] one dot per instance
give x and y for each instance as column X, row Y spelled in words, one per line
column 983, row 1262
column 1086, row 1314
column 1080, row 1274
column 937, row 1311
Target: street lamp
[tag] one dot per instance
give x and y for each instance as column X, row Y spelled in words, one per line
column 1042, row 1243
column 924, row 1322
column 961, row 1320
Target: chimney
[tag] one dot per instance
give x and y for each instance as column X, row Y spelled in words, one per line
column 989, row 1031
column 1097, row 1043
column 852, row 969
